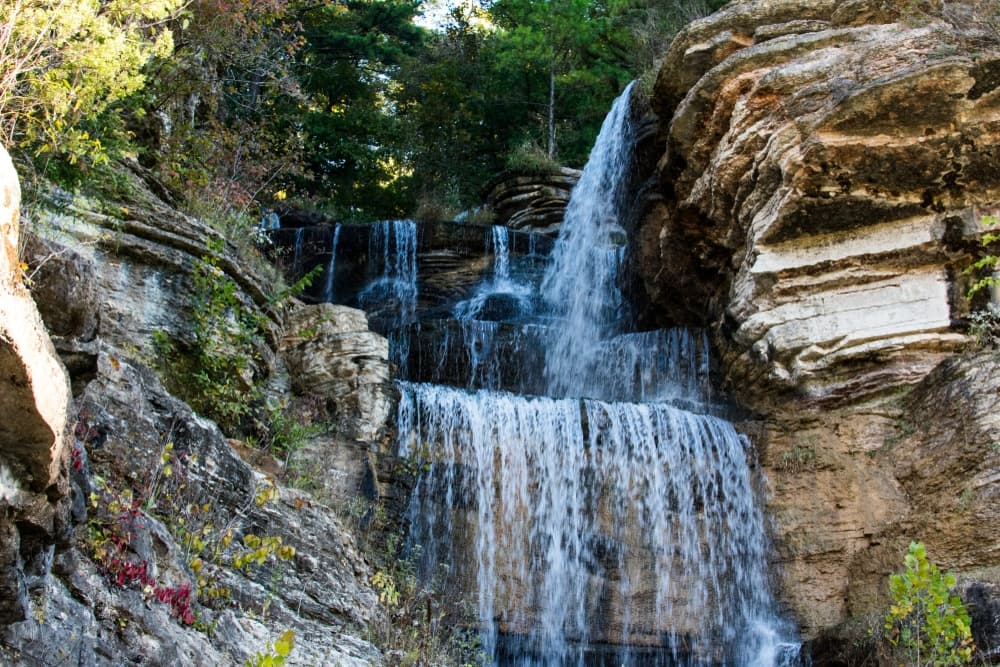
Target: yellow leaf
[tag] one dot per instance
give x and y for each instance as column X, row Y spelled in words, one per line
column 283, row 645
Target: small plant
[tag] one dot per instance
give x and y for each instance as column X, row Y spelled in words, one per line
column 927, row 626
column 282, row 433
column 116, row 518
column 984, row 326
column 988, row 262
column 276, row 654
column 798, row 459
column 529, row 156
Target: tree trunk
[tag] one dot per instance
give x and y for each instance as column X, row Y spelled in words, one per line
column 552, row 110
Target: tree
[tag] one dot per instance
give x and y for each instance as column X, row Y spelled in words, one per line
column 565, row 58
column 926, row 622
column 64, row 63
column 349, row 67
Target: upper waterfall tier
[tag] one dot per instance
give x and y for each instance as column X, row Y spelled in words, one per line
column 401, row 271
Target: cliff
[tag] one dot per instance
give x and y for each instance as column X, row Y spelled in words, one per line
column 134, row 531
column 824, row 168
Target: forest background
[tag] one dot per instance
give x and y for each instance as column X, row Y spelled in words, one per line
column 356, row 109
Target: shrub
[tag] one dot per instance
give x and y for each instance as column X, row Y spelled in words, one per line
column 927, row 625
column 63, row 63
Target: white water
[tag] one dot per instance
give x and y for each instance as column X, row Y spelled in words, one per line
column 331, row 266
column 392, row 246
column 597, row 514
column 297, row 251
column 516, row 295
column 581, row 282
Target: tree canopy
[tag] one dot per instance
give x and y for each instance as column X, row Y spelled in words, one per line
column 350, row 107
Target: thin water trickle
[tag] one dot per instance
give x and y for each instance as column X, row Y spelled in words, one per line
column 297, row 252
column 331, row 267
column 594, row 521
column 501, row 296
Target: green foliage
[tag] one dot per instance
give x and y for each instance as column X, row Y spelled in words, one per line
column 529, row 156
column 215, row 372
column 276, row 654
column 282, row 433
column 65, row 63
column 927, row 625
column 987, row 263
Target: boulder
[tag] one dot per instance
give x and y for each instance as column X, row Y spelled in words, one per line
column 331, row 353
column 34, row 399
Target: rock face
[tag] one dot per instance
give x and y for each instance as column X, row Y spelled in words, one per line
column 829, row 163
column 823, row 170
column 123, row 535
column 34, row 399
column 532, row 202
column 331, row 353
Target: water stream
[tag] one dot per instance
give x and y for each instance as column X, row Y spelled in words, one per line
column 587, row 518
column 392, row 254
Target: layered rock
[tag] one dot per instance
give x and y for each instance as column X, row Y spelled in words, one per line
column 823, row 173
column 830, row 163
column 107, row 277
column 531, row 201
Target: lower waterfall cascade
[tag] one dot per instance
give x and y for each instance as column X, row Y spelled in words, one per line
column 581, row 496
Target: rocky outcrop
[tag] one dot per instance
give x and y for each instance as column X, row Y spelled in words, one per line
column 125, row 422
column 829, row 162
column 169, row 548
column 532, row 202
column 331, row 354
column 34, row 399
column 823, row 173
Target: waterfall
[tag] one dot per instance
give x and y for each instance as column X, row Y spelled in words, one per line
column 581, row 282
column 500, row 297
column 392, row 247
column 297, row 252
column 331, row 266
column 575, row 485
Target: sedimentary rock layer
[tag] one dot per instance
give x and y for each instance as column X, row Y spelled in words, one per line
column 824, row 171
column 830, row 163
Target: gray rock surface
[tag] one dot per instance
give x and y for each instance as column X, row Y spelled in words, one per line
column 159, row 501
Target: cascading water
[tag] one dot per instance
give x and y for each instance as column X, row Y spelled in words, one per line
column 596, row 522
column 331, row 267
column 392, row 246
column 501, row 294
column 297, row 252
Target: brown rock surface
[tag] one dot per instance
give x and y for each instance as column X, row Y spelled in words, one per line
column 824, row 170
column 532, row 202
column 830, row 176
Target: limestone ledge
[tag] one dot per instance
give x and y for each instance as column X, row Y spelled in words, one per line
column 830, row 162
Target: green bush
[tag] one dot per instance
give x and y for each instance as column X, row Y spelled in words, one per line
column 64, row 63
column 927, row 625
